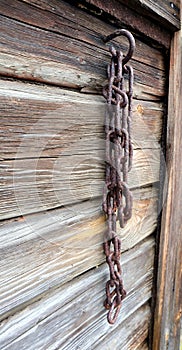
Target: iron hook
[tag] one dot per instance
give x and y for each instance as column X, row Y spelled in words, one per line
column 129, row 36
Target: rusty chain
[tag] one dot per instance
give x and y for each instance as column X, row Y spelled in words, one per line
column 117, row 198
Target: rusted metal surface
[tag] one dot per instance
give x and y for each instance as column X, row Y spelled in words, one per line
column 117, row 199
column 121, row 15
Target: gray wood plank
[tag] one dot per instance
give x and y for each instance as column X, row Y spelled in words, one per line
column 134, row 331
column 44, row 121
column 53, row 147
column 124, row 16
column 45, row 250
column 37, row 185
column 74, row 312
column 68, row 50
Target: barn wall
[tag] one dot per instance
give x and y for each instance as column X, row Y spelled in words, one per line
column 53, row 66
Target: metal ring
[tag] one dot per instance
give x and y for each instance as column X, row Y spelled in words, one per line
column 129, row 37
column 113, row 312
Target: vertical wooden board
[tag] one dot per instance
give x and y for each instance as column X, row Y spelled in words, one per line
column 169, row 285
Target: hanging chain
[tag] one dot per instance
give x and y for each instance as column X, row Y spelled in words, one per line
column 117, row 199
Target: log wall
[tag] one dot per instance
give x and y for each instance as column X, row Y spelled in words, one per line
column 52, row 70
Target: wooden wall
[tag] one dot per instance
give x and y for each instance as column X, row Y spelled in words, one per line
column 53, row 66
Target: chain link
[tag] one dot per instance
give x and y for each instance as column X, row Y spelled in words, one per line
column 117, row 198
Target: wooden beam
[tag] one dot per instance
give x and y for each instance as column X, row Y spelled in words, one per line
column 169, row 284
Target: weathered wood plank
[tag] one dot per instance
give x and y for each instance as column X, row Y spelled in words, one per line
column 114, row 11
column 40, row 184
column 169, row 285
column 76, row 58
column 144, row 346
column 55, row 140
column 134, row 331
column 75, row 313
column 43, row 119
column 45, row 250
column 163, row 11
column 22, row 229
column 61, row 18
column 119, row 13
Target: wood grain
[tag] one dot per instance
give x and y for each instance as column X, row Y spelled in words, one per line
column 45, row 250
column 52, row 272
column 169, row 285
column 144, row 346
column 40, row 184
column 128, row 340
column 52, row 147
column 61, row 18
column 43, row 121
column 122, row 15
column 67, row 49
column 75, row 314
column 160, row 11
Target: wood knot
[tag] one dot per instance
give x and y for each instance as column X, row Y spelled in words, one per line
column 140, row 109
